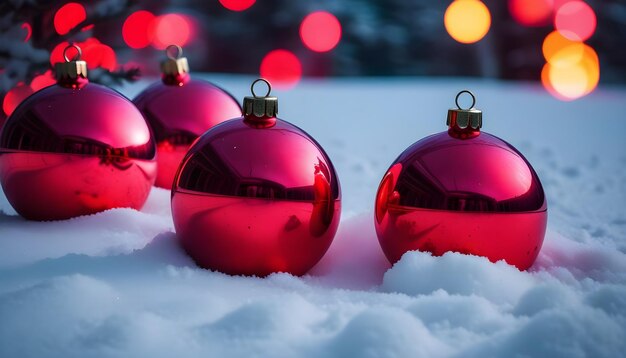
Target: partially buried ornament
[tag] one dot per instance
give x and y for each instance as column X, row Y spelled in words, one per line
column 256, row 195
column 462, row 191
column 75, row 148
column 179, row 109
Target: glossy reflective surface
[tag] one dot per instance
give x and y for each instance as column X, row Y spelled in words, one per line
column 476, row 195
column 67, row 152
column 256, row 197
column 42, row 186
column 168, row 159
column 179, row 110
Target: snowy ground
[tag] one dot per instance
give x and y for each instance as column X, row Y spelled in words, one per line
column 117, row 284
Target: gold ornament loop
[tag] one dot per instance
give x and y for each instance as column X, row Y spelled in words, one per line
column 456, row 100
column 78, row 55
column 179, row 52
column 269, row 87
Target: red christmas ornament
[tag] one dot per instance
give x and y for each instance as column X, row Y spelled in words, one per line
column 256, row 195
column 179, row 109
column 462, row 191
column 75, row 148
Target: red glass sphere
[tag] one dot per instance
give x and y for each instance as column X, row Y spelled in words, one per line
column 462, row 191
column 255, row 196
column 75, row 149
column 179, row 109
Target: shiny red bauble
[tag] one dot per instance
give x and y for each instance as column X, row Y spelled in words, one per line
column 75, row 148
column 179, row 109
column 462, row 191
column 256, row 195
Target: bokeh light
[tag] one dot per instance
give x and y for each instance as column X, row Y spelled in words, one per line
column 575, row 20
column 559, row 50
column 320, row 31
column 14, row 97
column 68, row 16
column 467, row 21
column 282, row 68
column 171, row 29
column 29, row 31
column 137, row 30
column 95, row 53
column 41, row 81
column 531, row 12
column 237, row 5
column 56, row 55
column 571, row 80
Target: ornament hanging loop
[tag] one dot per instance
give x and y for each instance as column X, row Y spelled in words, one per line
column 456, row 100
column 260, row 107
column 174, row 55
column 77, row 57
column 175, row 68
column 73, row 72
column 464, row 123
column 269, row 87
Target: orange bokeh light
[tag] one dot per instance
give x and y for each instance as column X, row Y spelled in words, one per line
column 171, row 29
column 467, row 21
column 559, row 50
column 237, row 5
column 575, row 20
column 282, row 68
column 320, row 31
column 531, row 12
column 68, row 16
column 14, row 97
column 136, row 29
column 571, row 80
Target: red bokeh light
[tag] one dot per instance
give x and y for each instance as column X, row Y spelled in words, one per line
column 68, row 16
column 320, row 31
column 108, row 60
column 41, row 81
column 29, row 31
column 531, row 12
column 556, row 4
column 282, row 68
column 237, row 5
column 95, row 53
column 56, row 55
column 171, row 29
column 575, row 20
column 14, row 97
column 137, row 30
column 91, row 52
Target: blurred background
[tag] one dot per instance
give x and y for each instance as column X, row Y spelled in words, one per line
column 570, row 46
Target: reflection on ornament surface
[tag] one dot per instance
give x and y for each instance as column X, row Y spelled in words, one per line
column 256, row 196
column 179, row 109
column 474, row 194
column 66, row 152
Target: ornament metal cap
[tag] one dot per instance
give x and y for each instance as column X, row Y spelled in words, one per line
column 71, row 69
column 266, row 106
column 465, row 119
column 175, row 64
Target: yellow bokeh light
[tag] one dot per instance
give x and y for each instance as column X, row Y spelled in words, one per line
column 571, row 80
column 467, row 21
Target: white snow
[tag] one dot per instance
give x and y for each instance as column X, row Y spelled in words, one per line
column 116, row 284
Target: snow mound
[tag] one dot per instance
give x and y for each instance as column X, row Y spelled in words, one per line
column 117, row 284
